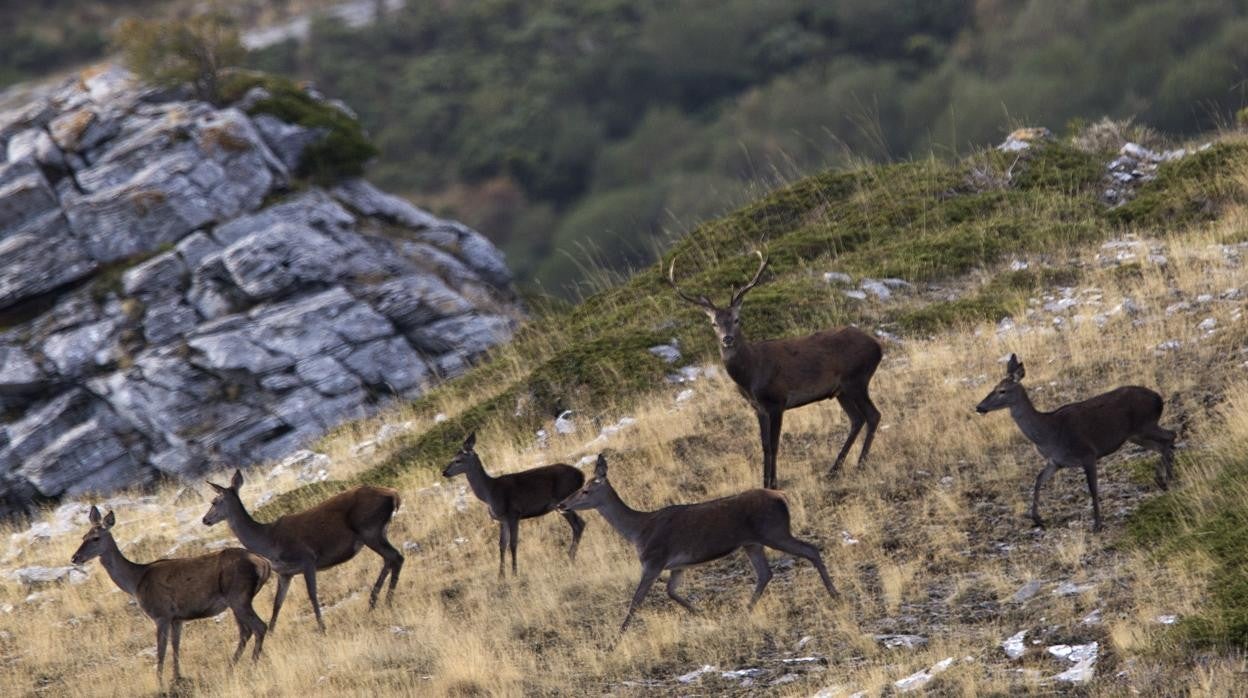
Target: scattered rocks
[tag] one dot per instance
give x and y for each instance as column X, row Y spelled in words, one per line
column 670, row 353
column 1013, row 645
column 1024, row 138
column 564, row 425
column 907, row 641
column 1027, row 591
column 920, row 678
column 43, row 576
column 1082, row 656
column 1072, row 589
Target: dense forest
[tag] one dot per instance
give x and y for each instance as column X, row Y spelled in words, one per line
column 566, row 127
column 576, row 132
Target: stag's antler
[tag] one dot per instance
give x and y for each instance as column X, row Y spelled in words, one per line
column 700, row 300
column 737, row 296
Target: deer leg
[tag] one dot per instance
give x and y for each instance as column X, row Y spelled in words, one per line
column 856, row 420
column 1043, row 477
column 578, row 527
column 396, row 566
column 873, row 420
column 673, row 581
column 801, row 548
column 1089, row 471
column 648, row 576
column 244, row 634
column 283, row 583
column 162, row 641
column 309, row 580
column 175, row 638
column 1161, row 440
column 764, row 435
column 762, row 571
column 502, row 549
column 775, row 417
column 392, row 560
column 513, row 540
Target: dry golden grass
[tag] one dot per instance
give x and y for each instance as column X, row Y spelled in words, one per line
column 938, row 515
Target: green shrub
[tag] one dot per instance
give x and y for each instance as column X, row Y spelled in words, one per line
column 343, row 150
column 195, row 51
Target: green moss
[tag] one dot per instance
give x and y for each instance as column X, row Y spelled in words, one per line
column 1189, row 190
column 341, row 152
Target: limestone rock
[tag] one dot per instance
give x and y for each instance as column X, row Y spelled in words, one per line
column 185, row 310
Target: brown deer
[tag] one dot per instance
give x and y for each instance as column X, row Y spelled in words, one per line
column 523, row 495
column 173, row 591
column 318, row 538
column 780, row 374
column 683, row 535
column 1076, row 435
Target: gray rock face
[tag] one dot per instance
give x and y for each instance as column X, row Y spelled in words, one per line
column 182, row 309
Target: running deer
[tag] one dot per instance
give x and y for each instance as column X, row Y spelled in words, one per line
column 173, row 591
column 318, row 538
column 780, row 374
column 683, row 535
column 523, row 495
column 1076, row 435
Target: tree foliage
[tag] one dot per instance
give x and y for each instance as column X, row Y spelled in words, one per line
column 194, row 51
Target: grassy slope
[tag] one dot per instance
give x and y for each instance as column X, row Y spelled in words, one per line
column 919, row 221
column 938, row 511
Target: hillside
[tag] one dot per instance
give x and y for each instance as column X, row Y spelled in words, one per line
column 575, row 130
column 999, row 252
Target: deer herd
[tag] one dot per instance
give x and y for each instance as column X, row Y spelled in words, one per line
column 772, row 375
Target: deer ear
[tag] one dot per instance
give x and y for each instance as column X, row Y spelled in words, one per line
column 236, row 481
column 1015, row 368
column 109, row 520
column 94, row 515
column 470, row 442
column 218, row 488
column 600, row 468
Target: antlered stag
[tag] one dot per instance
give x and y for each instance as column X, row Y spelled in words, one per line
column 1078, row 434
column 171, row 592
column 515, row 496
column 780, row 374
column 318, row 538
column 683, row 535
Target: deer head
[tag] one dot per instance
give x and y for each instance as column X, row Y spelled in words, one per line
column 591, row 495
column 726, row 321
column 1006, row 392
column 96, row 539
column 465, row 459
column 226, row 501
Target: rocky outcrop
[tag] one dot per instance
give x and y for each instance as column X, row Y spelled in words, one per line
column 171, row 299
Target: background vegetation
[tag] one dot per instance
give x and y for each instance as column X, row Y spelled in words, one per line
column 561, row 128
column 577, row 130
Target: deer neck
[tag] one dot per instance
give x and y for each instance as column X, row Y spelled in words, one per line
column 124, row 573
column 738, row 360
column 254, row 535
column 481, row 484
column 628, row 522
column 1034, row 424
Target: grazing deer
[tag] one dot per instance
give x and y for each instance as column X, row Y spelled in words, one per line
column 780, row 374
column 1076, row 435
column 318, row 538
column 171, row 592
column 523, row 495
column 683, row 535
